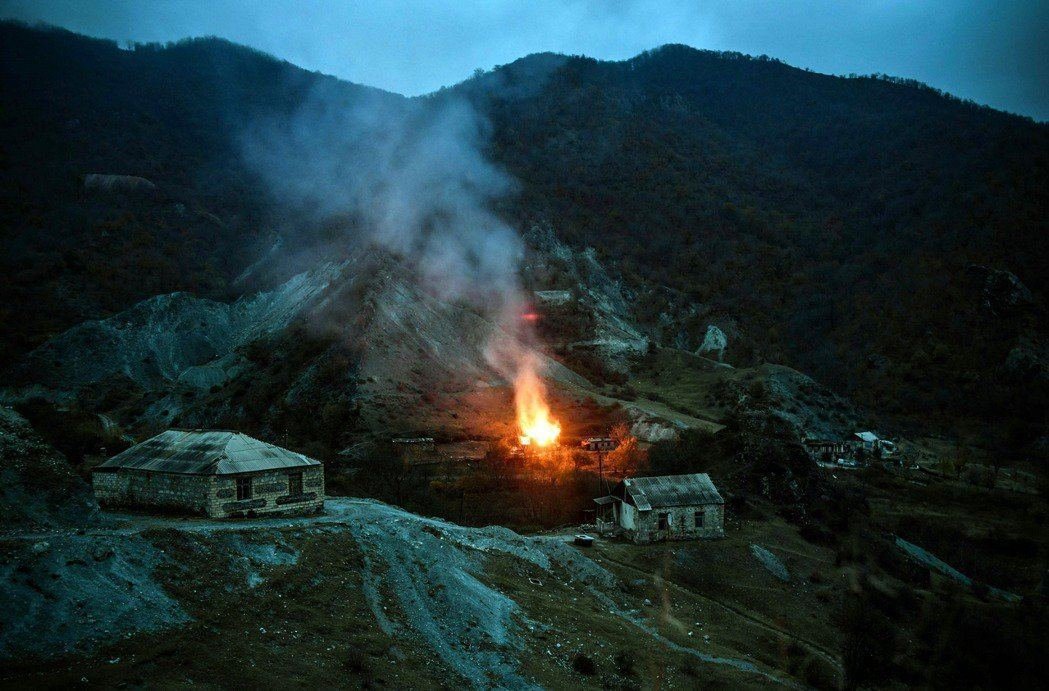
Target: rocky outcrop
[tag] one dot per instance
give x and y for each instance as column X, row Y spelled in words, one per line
column 1002, row 293
column 169, row 338
column 100, row 182
column 1027, row 362
column 798, row 405
column 614, row 336
column 38, row 487
column 771, row 562
column 715, row 341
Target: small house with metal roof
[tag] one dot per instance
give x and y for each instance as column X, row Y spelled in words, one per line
column 219, row 474
column 668, row 507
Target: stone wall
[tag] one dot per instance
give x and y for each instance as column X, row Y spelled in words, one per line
column 269, row 495
column 210, row 495
column 682, row 524
column 162, row 492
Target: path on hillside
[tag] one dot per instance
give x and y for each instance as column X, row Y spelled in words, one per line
column 336, row 510
column 750, row 617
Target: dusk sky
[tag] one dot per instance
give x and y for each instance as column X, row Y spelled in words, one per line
column 993, row 52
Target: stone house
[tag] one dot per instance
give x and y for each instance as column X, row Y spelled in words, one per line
column 211, row 473
column 414, row 450
column 670, row 507
column 827, row 450
column 873, row 444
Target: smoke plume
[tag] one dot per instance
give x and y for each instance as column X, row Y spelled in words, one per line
column 413, row 176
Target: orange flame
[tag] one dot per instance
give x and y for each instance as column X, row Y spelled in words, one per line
column 533, row 414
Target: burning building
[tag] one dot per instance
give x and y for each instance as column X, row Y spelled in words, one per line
column 670, row 507
column 210, row 473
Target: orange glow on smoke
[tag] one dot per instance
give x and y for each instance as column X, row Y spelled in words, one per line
column 533, row 414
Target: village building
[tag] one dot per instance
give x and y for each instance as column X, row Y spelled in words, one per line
column 669, row 507
column 827, row 450
column 554, row 297
column 873, row 444
column 466, row 451
column 211, row 473
column 415, row 450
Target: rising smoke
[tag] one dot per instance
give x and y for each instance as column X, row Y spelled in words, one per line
column 413, row 176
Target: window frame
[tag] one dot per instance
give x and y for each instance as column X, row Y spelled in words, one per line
column 245, row 489
column 700, row 518
column 663, row 520
column 295, row 484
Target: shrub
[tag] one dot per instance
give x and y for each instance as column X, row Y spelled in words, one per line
column 626, row 663
column 357, row 661
column 584, row 664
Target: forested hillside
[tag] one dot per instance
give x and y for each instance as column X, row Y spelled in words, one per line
column 75, row 106
column 834, row 220
column 832, row 224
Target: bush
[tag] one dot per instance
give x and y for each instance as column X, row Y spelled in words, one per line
column 692, row 452
column 584, row 664
column 626, row 663
column 357, row 661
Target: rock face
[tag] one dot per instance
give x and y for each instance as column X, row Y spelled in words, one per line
column 360, row 334
column 771, row 562
column 169, row 338
column 602, row 296
column 1028, row 362
column 651, row 430
column 795, row 403
column 715, row 341
column 101, row 182
column 38, row 487
column 1002, row 293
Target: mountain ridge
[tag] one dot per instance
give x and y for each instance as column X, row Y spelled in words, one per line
column 824, row 222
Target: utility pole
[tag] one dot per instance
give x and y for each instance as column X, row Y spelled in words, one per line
column 600, row 445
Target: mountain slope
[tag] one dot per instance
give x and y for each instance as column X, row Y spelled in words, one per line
column 76, row 107
column 826, row 223
column 833, row 220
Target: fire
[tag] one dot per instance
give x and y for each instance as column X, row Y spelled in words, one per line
column 533, row 414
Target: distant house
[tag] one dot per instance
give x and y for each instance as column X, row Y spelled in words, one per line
column 826, row 450
column 469, row 451
column 211, row 473
column 670, row 507
column 554, row 297
column 415, row 449
column 872, row 443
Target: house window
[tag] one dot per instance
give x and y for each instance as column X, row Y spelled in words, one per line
column 295, row 484
column 243, row 488
column 700, row 518
column 664, row 521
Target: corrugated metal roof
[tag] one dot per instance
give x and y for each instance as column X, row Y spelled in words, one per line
column 648, row 493
column 206, row 452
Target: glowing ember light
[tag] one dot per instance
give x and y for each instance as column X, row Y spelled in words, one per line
column 530, row 316
column 533, row 414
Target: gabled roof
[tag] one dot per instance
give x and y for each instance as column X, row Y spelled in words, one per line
column 867, row 436
column 647, row 493
column 206, row 452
